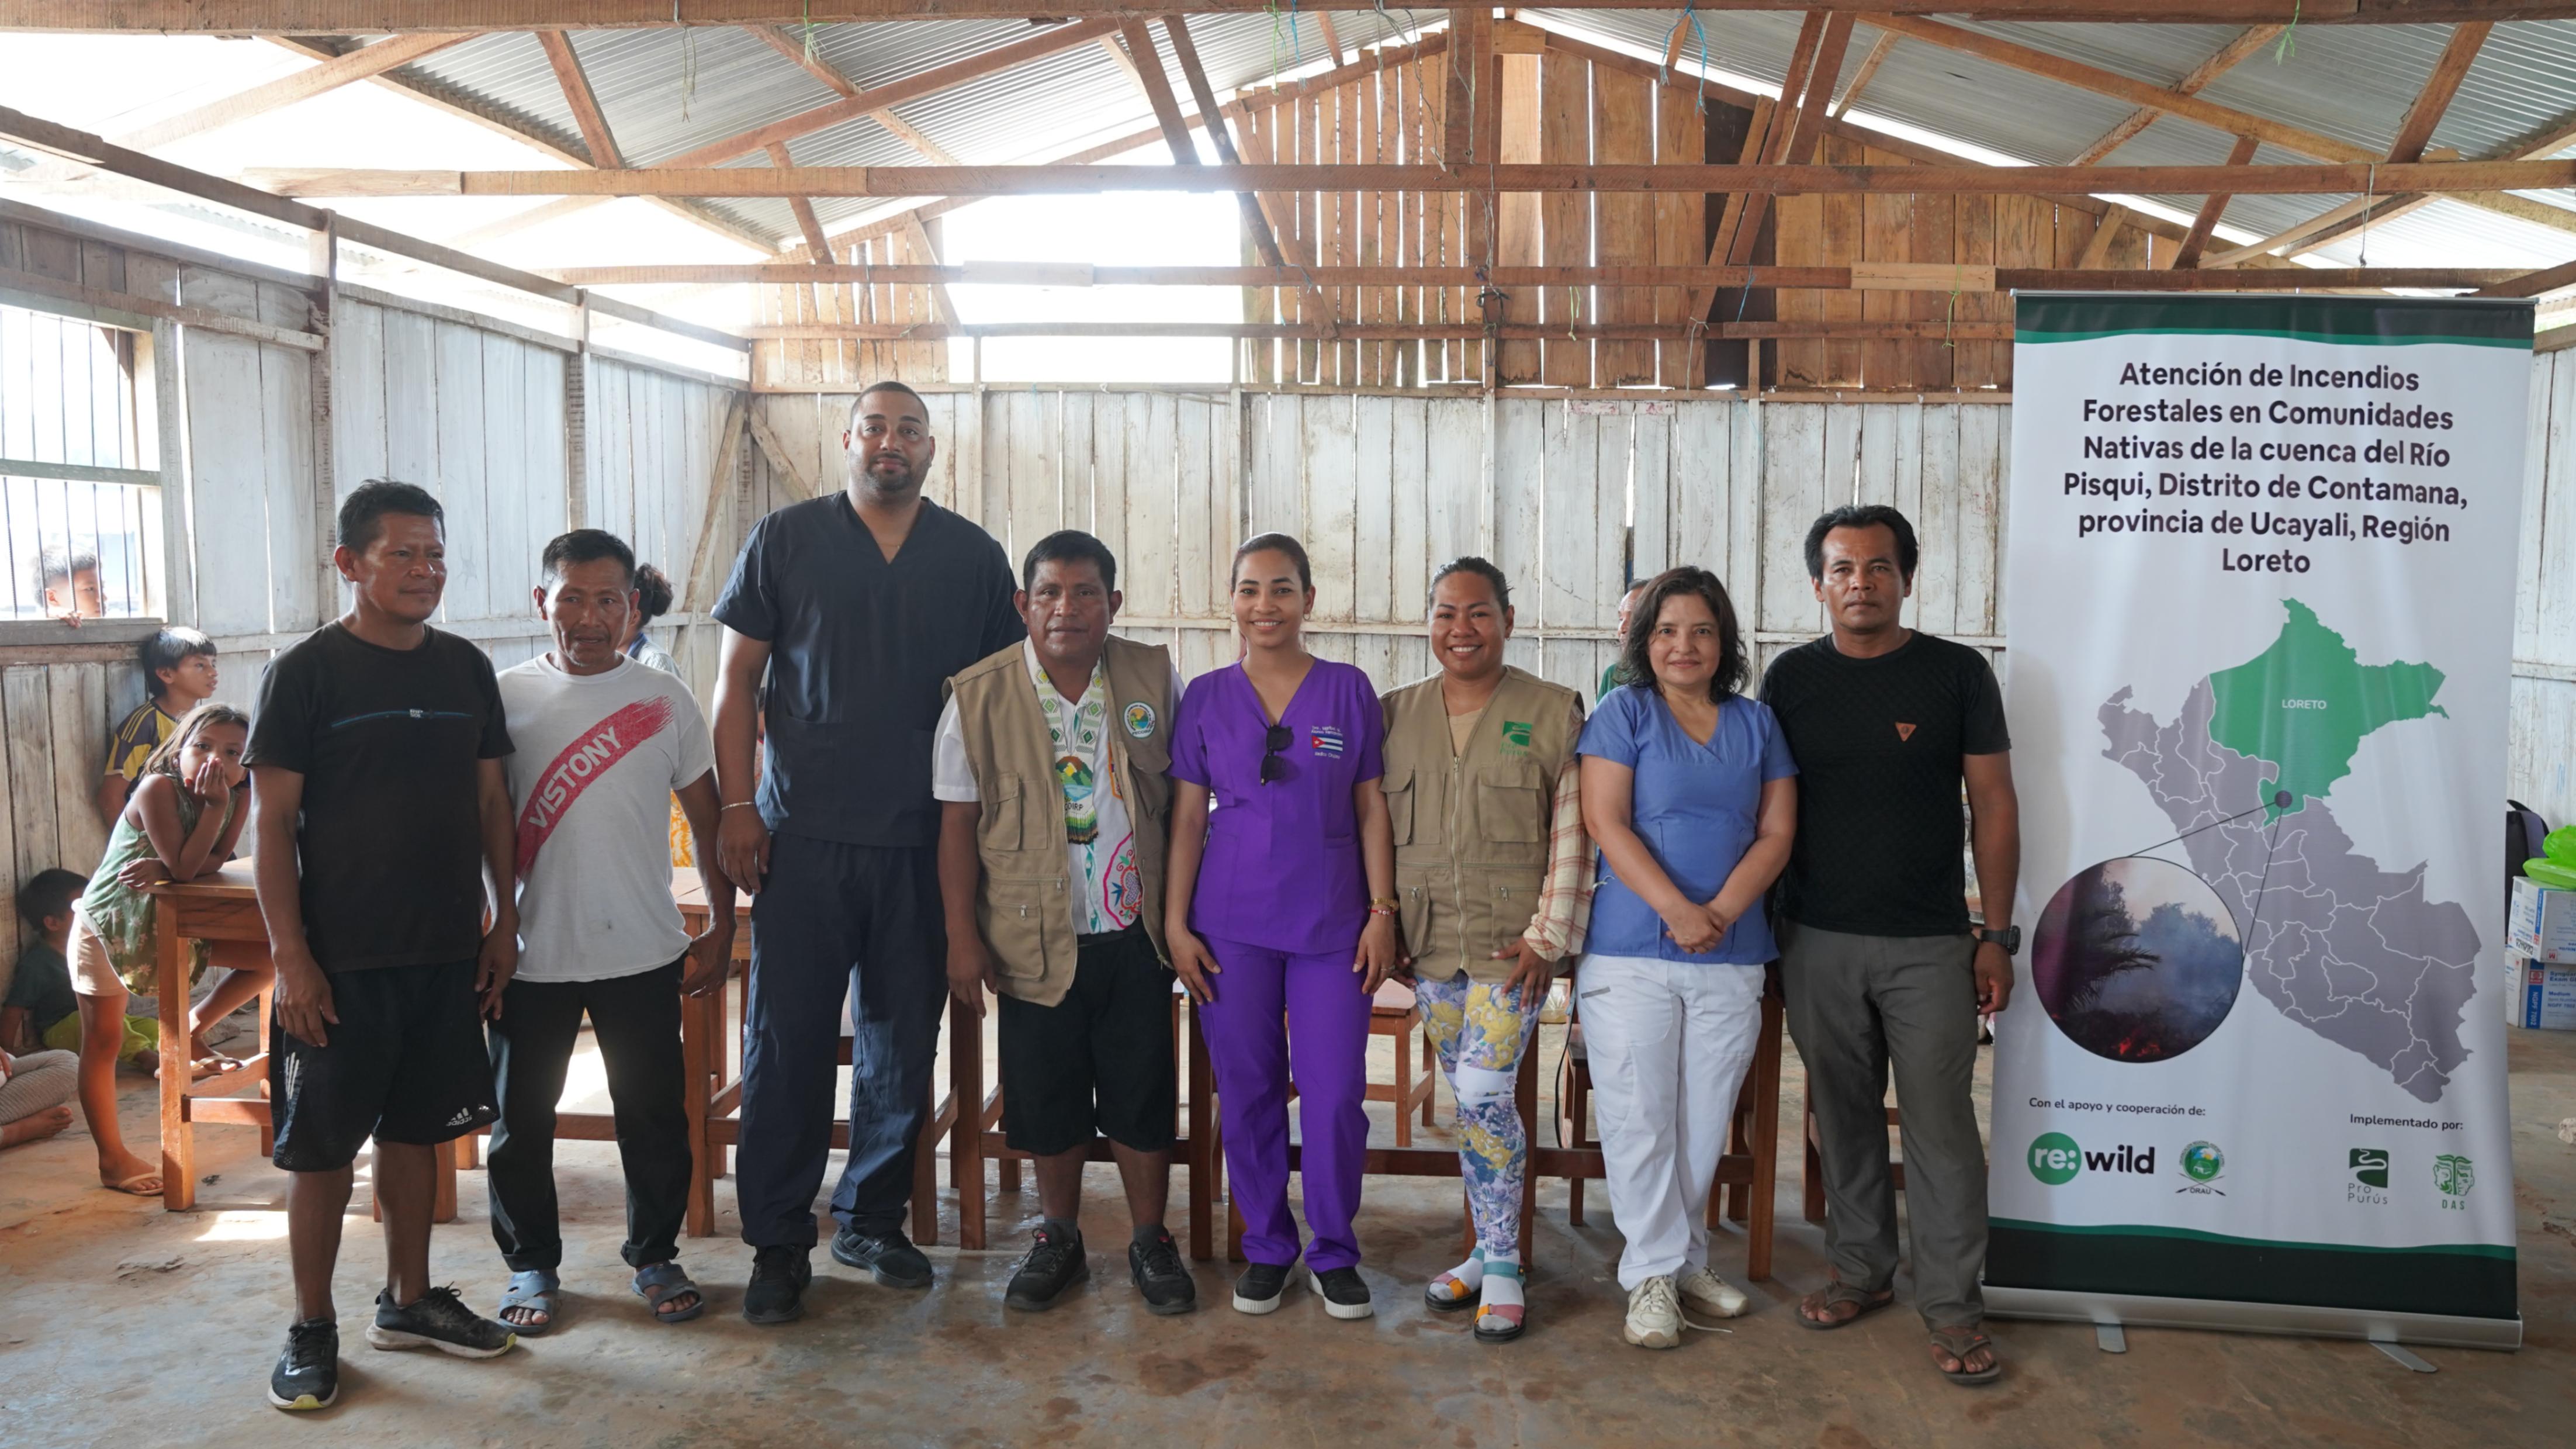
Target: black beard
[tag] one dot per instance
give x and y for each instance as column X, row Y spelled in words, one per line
column 873, row 484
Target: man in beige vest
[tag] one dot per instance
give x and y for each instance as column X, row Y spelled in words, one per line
column 1050, row 765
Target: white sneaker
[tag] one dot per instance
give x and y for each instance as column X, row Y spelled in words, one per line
column 1654, row 1319
column 1710, row 1294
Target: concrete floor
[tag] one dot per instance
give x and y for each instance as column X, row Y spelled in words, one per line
column 120, row 1324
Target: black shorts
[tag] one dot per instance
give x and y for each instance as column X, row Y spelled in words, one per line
column 407, row 1063
column 1099, row 1060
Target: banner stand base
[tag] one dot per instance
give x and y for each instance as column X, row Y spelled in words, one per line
column 2119, row 1311
column 2404, row 1356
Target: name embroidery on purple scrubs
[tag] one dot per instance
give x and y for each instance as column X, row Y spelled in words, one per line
column 1325, row 741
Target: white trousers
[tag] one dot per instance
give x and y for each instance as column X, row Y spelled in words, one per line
column 1668, row 1042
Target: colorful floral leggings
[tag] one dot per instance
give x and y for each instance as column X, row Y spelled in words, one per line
column 1480, row 1029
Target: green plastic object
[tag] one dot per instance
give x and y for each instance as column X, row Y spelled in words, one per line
column 2556, row 874
column 2560, row 845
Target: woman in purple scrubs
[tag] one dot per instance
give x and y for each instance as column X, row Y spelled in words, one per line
column 1281, row 902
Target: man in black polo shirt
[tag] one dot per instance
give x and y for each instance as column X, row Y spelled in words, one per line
column 858, row 606
column 1877, row 955
column 384, row 812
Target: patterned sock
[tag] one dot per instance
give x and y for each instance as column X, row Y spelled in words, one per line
column 1469, row 1278
column 1502, row 1281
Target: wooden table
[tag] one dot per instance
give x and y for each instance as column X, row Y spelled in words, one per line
column 225, row 907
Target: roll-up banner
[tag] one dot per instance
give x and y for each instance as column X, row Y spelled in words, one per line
column 2259, row 601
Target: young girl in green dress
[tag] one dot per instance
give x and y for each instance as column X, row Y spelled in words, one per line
column 184, row 817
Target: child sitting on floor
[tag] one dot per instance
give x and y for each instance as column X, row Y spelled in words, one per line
column 32, row 1089
column 186, row 814
column 41, row 1010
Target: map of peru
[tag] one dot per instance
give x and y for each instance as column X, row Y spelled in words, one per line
column 2352, row 952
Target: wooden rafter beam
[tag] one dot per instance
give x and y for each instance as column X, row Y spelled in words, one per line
column 1783, row 179
column 943, row 305
column 249, row 17
column 1257, row 223
column 2226, row 58
column 830, row 75
column 818, row 250
column 34, row 133
column 1866, row 277
column 454, row 101
column 2106, row 230
column 1332, row 37
column 1383, row 331
column 2416, row 131
column 2533, row 284
column 2193, row 108
column 330, row 75
column 2187, row 256
column 1860, row 80
column 578, row 95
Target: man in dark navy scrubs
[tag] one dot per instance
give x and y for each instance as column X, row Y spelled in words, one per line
column 856, row 607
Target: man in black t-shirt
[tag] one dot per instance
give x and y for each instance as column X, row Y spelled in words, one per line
column 844, row 617
column 383, row 811
column 1878, row 957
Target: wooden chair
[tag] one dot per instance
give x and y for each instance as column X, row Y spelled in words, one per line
column 1396, row 1014
column 1747, row 1176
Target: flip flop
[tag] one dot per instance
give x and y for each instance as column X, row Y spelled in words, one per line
column 134, row 1185
column 662, row 1282
column 534, row 1289
column 1958, row 1343
column 1837, row 1293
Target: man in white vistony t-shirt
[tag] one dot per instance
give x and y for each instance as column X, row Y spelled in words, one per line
column 607, row 742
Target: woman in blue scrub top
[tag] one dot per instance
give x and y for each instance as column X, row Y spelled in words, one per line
column 1281, row 902
column 1689, row 791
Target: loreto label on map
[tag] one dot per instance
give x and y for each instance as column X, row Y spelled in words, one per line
column 2260, row 608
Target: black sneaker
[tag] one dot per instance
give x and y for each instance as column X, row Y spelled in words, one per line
column 1158, row 1273
column 307, row 1375
column 1054, row 1264
column 1258, row 1290
column 438, row 1319
column 1345, row 1295
column 778, row 1277
column 890, row 1256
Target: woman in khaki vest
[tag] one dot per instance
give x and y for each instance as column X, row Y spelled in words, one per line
column 1494, row 884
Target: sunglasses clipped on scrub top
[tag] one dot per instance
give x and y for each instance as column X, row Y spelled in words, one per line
column 1274, row 768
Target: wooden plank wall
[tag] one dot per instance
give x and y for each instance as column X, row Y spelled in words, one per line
column 479, row 415
column 476, row 417
column 1556, row 108
column 2541, row 770
column 842, row 364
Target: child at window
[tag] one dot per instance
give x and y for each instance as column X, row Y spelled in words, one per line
column 178, row 675
column 186, row 814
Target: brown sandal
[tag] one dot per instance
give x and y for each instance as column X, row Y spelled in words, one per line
column 1958, row 1343
column 1837, row 1293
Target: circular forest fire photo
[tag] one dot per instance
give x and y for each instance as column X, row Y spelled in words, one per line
column 2137, row 960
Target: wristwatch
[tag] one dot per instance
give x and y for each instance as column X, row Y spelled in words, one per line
column 2009, row 938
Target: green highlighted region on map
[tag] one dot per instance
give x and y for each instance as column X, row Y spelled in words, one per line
column 2305, row 703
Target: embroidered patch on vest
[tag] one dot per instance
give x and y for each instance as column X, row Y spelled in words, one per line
column 1139, row 719
column 1516, row 737
column 1325, row 741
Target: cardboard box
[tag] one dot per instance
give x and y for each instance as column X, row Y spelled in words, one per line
column 2542, row 924
column 2548, row 995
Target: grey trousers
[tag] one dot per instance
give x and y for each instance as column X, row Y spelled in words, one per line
column 38, row 1082
column 1857, row 1006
